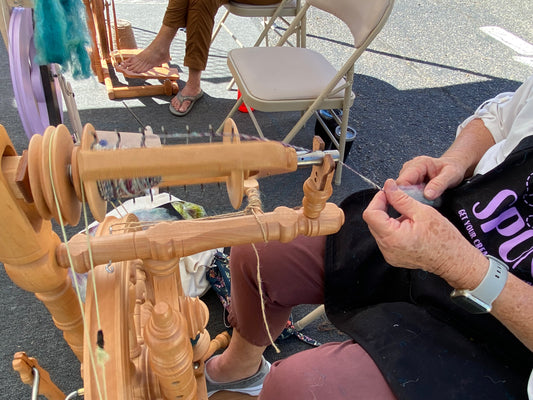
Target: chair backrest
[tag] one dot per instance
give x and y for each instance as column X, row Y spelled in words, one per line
column 364, row 18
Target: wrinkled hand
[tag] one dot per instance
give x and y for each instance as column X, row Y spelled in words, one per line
column 421, row 238
column 439, row 174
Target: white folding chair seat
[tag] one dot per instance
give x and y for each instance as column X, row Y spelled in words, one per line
column 289, row 9
column 295, row 88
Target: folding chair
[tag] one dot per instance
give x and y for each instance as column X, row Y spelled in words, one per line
column 300, row 79
column 270, row 14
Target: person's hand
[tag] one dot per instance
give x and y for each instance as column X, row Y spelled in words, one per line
column 439, row 174
column 421, row 238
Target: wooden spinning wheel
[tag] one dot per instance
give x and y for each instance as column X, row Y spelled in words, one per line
column 136, row 316
column 145, row 330
column 107, row 53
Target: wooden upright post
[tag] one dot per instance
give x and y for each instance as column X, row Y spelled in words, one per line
column 171, row 353
column 28, row 253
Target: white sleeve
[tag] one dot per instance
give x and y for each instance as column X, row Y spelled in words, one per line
column 509, row 118
column 499, row 113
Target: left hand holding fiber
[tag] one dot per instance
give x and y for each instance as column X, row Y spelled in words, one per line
column 421, row 238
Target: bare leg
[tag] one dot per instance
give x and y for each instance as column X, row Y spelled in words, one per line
column 240, row 360
column 191, row 88
column 157, row 52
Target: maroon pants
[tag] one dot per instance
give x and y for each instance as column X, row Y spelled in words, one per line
column 293, row 274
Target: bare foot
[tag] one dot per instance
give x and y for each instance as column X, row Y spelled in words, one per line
column 152, row 56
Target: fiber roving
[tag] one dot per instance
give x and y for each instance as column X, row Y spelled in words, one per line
column 61, row 35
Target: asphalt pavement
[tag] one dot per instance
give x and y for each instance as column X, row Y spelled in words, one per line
column 431, row 66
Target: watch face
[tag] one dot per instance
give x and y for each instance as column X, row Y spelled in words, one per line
column 469, row 303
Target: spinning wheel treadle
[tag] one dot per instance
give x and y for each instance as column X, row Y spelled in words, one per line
column 103, row 57
column 162, row 72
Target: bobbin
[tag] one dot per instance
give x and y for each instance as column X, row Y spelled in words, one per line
column 73, row 172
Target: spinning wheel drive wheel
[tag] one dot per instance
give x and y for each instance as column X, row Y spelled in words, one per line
column 115, row 377
column 147, row 344
column 125, row 375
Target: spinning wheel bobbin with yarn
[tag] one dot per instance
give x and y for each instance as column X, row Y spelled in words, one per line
column 77, row 173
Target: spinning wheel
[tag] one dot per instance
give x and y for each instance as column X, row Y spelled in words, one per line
column 28, row 85
column 136, row 316
column 107, row 53
column 144, row 331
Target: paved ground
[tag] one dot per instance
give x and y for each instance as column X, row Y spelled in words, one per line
column 431, row 66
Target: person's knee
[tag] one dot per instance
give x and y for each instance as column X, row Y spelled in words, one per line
column 340, row 371
column 206, row 7
column 242, row 258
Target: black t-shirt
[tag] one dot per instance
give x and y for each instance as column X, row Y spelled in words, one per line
column 426, row 346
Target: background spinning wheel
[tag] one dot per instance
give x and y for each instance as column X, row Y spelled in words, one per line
column 33, row 107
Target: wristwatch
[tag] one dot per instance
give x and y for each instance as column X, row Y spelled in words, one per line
column 479, row 300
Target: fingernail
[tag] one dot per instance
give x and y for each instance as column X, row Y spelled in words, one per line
column 430, row 194
column 392, row 186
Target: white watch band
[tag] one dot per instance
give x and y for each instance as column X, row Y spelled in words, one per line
column 492, row 284
column 480, row 299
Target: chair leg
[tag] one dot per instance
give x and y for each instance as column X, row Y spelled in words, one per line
column 230, row 84
column 342, row 149
column 254, row 120
column 265, row 23
column 303, row 32
column 299, row 125
column 233, row 110
column 219, row 25
column 250, row 112
column 235, row 38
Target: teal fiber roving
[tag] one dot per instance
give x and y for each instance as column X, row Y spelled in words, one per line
column 61, row 35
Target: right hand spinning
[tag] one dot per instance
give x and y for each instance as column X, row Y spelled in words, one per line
column 439, row 174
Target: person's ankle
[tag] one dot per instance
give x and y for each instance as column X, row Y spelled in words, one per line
column 220, row 372
column 190, row 90
column 212, row 370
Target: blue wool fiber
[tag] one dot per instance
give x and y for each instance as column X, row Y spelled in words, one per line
column 77, row 38
column 50, row 32
column 61, row 35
